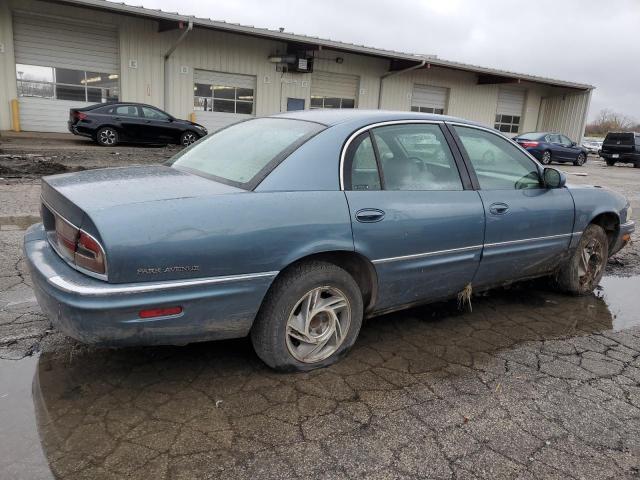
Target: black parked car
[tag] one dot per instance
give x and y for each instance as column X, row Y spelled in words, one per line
column 623, row 147
column 110, row 124
column 552, row 147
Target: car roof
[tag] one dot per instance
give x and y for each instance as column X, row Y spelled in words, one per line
column 331, row 117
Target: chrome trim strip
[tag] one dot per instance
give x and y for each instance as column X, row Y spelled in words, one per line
column 473, row 247
column 345, row 147
column 143, row 287
column 427, row 254
column 523, row 240
column 630, row 223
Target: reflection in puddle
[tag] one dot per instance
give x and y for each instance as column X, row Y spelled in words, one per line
column 208, row 410
column 621, row 296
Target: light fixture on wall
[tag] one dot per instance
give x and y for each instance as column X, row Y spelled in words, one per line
column 339, row 60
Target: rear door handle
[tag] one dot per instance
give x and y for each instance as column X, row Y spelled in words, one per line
column 369, row 215
column 498, row 208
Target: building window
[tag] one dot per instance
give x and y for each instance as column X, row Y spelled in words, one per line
column 223, row 98
column 507, row 123
column 332, row 102
column 66, row 84
column 437, row 111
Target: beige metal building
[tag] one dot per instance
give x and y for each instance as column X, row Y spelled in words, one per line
column 67, row 53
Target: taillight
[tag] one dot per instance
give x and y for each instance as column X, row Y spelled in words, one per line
column 80, row 115
column 528, row 144
column 77, row 246
column 89, row 254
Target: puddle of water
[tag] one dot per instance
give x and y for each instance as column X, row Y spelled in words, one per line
column 21, row 454
column 155, row 412
column 620, row 295
column 21, row 222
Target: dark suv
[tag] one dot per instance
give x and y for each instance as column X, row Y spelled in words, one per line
column 621, row 147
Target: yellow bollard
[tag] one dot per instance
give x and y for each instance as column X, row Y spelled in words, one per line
column 192, row 117
column 15, row 115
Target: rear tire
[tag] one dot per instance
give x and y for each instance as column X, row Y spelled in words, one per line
column 546, row 158
column 107, row 137
column 610, row 163
column 580, row 160
column 636, row 165
column 309, row 319
column 583, row 271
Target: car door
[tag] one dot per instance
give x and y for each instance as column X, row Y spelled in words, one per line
column 412, row 212
column 572, row 150
column 158, row 126
column 127, row 119
column 558, row 152
column 528, row 226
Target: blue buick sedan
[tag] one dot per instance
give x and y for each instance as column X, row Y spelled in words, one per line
column 295, row 227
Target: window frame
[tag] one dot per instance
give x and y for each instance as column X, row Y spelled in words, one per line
column 235, row 100
column 467, row 161
column 500, row 122
column 346, row 162
column 324, row 98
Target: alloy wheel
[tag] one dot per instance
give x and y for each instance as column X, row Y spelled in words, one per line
column 581, row 159
column 188, row 138
column 546, row 158
column 318, row 324
column 107, row 136
column 591, row 263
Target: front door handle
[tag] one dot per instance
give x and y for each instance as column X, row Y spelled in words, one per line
column 498, row 208
column 369, row 215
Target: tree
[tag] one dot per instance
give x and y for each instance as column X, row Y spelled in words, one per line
column 610, row 121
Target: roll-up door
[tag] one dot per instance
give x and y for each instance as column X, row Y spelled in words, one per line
column 334, row 90
column 428, row 99
column 509, row 110
column 221, row 98
column 62, row 64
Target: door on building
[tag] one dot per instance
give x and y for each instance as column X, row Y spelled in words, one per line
column 294, row 104
column 334, row 90
column 509, row 110
column 62, row 64
column 404, row 188
column 429, row 99
column 527, row 225
column 221, row 99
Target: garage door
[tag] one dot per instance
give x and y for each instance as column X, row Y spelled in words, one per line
column 428, row 99
column 221, row 99
column 61, row 64
column 509, row 110
column 334, row 90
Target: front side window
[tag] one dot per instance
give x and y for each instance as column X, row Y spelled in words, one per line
column 66, row 84
column 507, row 123
column 153, row 114
column 223, row 98
column 331, row 102
column 565, row 141
column 498, row 164
column 242, row 154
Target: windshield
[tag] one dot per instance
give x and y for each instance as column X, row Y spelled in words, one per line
column 243, row 154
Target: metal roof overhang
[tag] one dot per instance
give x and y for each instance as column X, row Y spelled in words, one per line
column 399, row 60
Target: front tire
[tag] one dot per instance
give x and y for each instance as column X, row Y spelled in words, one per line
column 107, row 137
column 580, row 160
column 188, row 137
column 583, row 271
column 310, row 318
column 546, row 158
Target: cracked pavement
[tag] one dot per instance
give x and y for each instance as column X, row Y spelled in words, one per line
column 530, row 384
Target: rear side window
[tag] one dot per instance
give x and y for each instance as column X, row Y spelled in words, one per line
column 402, row 157
column 498, row 164
column 243, row 154
column 127, row 110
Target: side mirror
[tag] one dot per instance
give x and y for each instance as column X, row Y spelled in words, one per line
column 554, row 178
column 573, row 144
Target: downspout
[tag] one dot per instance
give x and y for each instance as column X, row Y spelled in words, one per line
column 393, row 74
column 182, row 36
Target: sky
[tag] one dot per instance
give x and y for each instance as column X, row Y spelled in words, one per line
column 586, row 41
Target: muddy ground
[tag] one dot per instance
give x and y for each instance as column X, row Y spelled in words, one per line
column 530, row 384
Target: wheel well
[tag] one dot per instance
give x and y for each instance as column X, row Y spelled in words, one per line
column 358, row 266
column 610, row 222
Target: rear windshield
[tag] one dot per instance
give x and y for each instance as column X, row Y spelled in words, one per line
column 623, row 138
column 243, row 154
column 529, row 136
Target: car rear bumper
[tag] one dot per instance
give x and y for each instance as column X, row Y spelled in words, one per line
column 97, row 312
column 624, row 236
column 73, row 128
column 621, row 157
